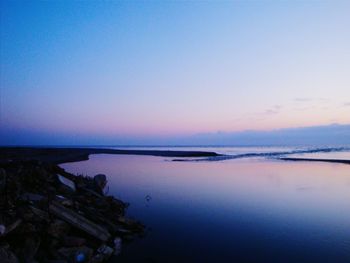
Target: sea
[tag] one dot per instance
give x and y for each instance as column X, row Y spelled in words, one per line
column 246, row 205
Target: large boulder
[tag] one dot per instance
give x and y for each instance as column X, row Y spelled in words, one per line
column 100, row 181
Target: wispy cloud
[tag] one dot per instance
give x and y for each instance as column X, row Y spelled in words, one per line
column 306, row 103
column 323, row 99
column 346, row 104
column 273, row 110
column 307, row 99
column 304, row 108
column 302, row 99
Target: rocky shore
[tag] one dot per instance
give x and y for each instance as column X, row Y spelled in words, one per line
column 49, row 215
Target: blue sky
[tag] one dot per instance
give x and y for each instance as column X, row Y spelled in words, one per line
column 171, row 69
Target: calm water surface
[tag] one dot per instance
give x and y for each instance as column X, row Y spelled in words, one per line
column 246, row 210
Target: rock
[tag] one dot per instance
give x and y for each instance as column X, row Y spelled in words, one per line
column 2, row 230
column 103, row 253
column 28, row 229
column 76, row 254
column 67, row 182
column 49, row 215
column 2, row 179
column 100, row 182
column 31, row 197
column 7, row 256
column 98, row 258
column 12, row 226
column 117, row 246
column 105, row 250
column 79, row 221
column 58, row 228
column 40, row 214
column 31, row 246
column 64, row 201
column 71, row 241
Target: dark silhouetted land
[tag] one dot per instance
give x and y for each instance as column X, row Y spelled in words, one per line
column 315, row 160
column 64, row 155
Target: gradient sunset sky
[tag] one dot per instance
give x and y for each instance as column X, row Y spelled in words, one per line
column 172, row 68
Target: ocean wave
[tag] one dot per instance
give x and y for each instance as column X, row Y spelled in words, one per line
column 275, row 154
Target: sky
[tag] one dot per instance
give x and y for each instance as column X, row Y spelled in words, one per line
column 135, row 71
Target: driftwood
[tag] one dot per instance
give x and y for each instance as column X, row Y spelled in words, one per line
column 49, row 215
column 79, row 221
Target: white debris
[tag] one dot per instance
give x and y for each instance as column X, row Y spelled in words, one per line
column 117, row 245
column 2, row 230
column 67, row 182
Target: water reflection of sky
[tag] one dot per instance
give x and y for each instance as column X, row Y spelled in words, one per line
column 341, row 155
column 240, row 210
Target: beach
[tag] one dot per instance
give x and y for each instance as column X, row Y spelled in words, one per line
column 202, row 204
column 59, row 155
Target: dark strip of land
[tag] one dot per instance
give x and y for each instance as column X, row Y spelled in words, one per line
column 64, row 155
column 315, row 160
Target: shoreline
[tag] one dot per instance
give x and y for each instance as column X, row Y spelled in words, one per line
column 48, row 214
column 295, row 159
column 40, row 198
column 66, row 155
